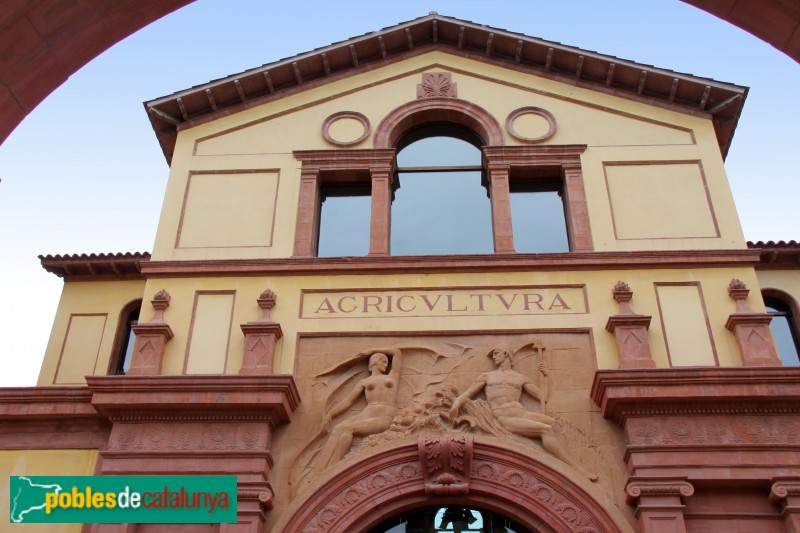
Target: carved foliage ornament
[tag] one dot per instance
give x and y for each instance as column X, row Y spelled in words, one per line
column 436, row 85
column 446, row 464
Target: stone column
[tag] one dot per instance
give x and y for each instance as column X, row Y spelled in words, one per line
column 151, row 339
column 786, row 493
column 306, row 234
column 500, row 197
column 630, row 331
column 260, row 338
column 381, row 213
column 658, row 501
column 751, row 330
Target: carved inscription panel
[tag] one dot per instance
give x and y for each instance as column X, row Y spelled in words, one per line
column 457, row 301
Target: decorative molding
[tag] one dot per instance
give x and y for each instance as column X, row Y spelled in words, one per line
column 622, row 394
column 639, row 487
column 436, row 85
column 189, row 397
column 537, row 111
column 446, row 464
column 56, row 417
column 343, row 115
column 388, row 482
column 306, row 266
column 438, row 109
column 696, row 429
column 659, row 500
column 784, row 489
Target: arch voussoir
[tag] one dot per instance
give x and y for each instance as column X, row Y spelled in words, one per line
column 501, row 480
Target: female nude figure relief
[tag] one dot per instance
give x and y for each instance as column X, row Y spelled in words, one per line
column 503, row 388
column 380, row 390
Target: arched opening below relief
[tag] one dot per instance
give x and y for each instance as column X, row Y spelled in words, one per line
column 450, row 517
column 408, row 117
column 536, row 495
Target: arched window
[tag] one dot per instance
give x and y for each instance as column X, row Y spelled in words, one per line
column 441, row 205
column 784, row 327
column 449, row 518
column 441, row 181
column 125, row 339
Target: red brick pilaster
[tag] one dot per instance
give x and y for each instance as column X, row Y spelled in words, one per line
column 658, row 501
column 630, row 331
column 381, row 213
column 751, row 330
column 786, row 493
column 500, row 196
column 260, row 338
column 580, row 233
column 151, row 339
column 306, row 232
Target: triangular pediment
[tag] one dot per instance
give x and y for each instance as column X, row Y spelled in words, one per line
column 721, row 102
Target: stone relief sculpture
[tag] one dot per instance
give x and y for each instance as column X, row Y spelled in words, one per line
column 503, row 388
column 417, row 390
column 380, row 390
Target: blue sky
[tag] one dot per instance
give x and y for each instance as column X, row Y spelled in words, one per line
column 84, row 172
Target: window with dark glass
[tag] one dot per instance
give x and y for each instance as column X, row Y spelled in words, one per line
column 537, row 211
column 344, row 221
column 127, row 338
column 784, row 330
column 440, row 202
column 449, row 518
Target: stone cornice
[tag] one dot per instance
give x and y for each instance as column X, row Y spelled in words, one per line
column 187, row 397
column 305, row 266
column 38, row 403
column 713, row 390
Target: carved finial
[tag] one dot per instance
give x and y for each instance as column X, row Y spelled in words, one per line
column 266, row 301
column 621, row 286
column 267, row 295
column 623, row 294
column 736, row 284
column 739, row 291
column 433, row 13
column 160, row 302
column 162, row 295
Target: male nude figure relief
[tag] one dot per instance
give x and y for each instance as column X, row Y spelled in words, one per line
column 380, row 390
column 503, row 388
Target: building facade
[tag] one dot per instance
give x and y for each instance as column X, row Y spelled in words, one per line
column 438, row 276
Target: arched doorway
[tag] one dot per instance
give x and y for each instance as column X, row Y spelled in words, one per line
column 502, row 481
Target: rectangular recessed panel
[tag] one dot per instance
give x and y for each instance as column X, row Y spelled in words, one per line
column 210, row 333
column 228, row 210
column 660, row 200
column 81, row 348
column 685, row 324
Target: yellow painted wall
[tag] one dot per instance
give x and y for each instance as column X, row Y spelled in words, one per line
column 83, row 330
column 41, row 463
column 787, row 281
column 640, row 141
column 294, row 320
